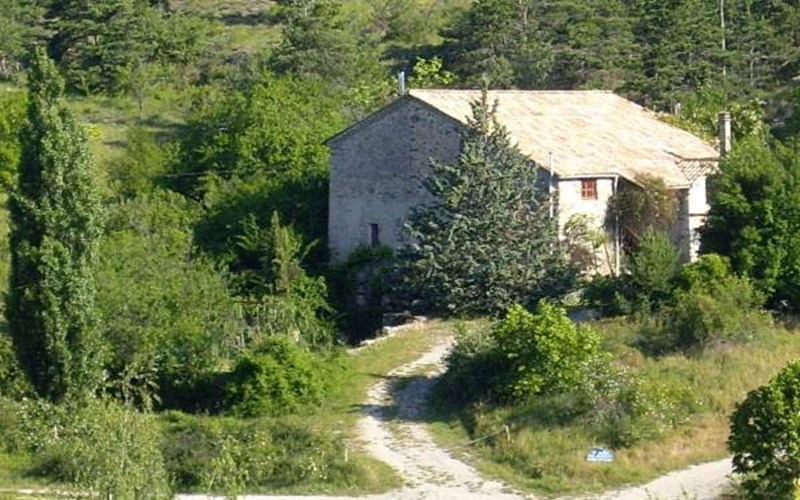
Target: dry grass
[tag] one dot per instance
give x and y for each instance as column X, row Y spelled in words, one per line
column 551, row 460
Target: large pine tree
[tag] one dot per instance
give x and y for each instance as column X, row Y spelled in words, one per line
column 489, row 241
column 55, row 216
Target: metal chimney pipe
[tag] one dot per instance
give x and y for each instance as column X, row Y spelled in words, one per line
column 401, row 82
column 725, row 138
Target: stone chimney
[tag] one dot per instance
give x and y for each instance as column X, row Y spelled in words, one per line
column 724, row 133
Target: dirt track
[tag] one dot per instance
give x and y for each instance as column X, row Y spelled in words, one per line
column 391, row 429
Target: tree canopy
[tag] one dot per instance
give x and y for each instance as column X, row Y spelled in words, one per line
column 488, row 240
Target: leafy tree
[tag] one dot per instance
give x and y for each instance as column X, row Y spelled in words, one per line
column 430, row 73
column 487, row 241
column 765, row 437
column 105, row 45
column 56, row 222
column 681, row 47
column 653, row 268
column 593, row 42
column 700, row 111
column 746, row 221
column 252, row 152
column 167, row 315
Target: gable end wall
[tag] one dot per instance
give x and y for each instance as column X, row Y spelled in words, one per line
column 377, row 172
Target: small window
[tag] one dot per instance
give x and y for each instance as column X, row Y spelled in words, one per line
column 374, row 235
column 589, row 189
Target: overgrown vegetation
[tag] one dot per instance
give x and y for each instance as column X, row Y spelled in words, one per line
column 657, row 412
column 205, row 288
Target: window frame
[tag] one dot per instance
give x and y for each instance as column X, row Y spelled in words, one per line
column 589, row 189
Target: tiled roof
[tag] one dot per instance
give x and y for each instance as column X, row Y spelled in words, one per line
column 694, row 169
column 589, row 133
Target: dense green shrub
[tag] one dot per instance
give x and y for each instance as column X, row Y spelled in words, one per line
column 474, row 366
column 169, row 319
column 710, row 306
column 225, row 455
column 765, row 437
column 285, row 300
column 652, row 270
column 647, row 283
column 545, row 351
column 279, row 376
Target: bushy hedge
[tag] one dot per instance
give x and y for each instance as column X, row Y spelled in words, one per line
column 279, row 377
column 13, row 383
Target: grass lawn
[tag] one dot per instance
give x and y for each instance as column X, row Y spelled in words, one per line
column 550, row 459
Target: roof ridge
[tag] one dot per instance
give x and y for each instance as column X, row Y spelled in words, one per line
column 516, row 91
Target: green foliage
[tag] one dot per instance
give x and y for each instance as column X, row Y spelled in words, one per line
column 624, row 409
column 12, row 117
column 648, row 281
column 700, row 114
column 98, row 446
column 636, row 208
column 582, row 243
column 142, row 166
column 112, row 450
column 710, row 306
column 278, row 376
column 680, row 41
column 359, row 288
column 19, row 29
column 13, row 383
column 247, row 154
column 167, row 315
column 545, row 351
column 285, row 299
column 430, row 73
column 498, row 41
column 752, row 221
column 106, row 46
column 56, row 223
column 226, row 455
column 652, row 269
column 764, row 438
column 475, row 368
column 488, row 241
column 318, row 41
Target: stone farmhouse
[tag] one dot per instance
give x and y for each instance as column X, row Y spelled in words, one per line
column 587, row 145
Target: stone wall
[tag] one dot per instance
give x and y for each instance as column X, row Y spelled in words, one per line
column 377, row 169
column 571, row 203
column 698, row 211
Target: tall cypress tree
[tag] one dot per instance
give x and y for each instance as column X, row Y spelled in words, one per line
column 55, row 217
